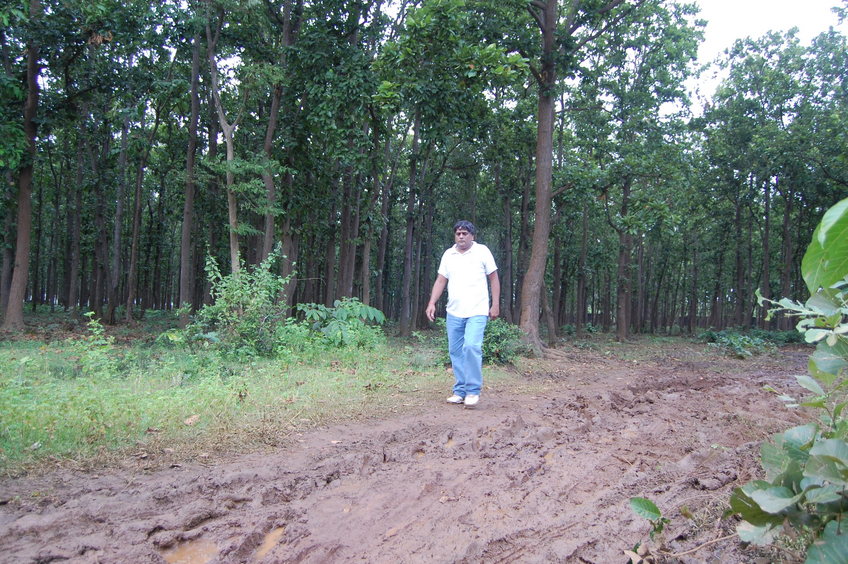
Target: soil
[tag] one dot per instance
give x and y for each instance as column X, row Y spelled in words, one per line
column 525, row 477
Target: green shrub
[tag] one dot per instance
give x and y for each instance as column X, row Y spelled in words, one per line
column 778, row 338
column 806, row 467
column 243, row 319
column 95, row 353
column 739, row 345
column 348, row 323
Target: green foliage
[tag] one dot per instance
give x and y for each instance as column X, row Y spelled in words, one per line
column 736, row 344
column 348, row 323
column 95, row 353
column 806, row 467
column 778, row 338
column 248, row 319
column 647, row 509
column 246, row 311
column 502, row 342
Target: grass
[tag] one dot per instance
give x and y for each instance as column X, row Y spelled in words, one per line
column 81, row 401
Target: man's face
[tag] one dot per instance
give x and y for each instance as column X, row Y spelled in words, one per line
column 463, row 239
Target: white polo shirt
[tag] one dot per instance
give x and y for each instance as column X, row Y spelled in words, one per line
column 468, row 288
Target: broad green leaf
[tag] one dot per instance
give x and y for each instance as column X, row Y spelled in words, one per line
column 774, row 460
column 645, row 508
column 831, row 547
column 824, row 364
column 826, row 494
column 796, row 440
column 742, row 503
column 760, row 535
column 826, row 259
column 829, row 461
column 822, row 303
column 810, row 384
column 776, row 499
column 815, row 335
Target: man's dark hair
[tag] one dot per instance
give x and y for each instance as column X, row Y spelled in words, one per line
column 465, row 224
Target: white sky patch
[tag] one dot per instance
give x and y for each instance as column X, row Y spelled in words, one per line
column 729, row 20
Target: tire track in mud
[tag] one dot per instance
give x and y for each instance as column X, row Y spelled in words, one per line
column 542, row 478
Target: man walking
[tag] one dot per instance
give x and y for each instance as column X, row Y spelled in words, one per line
column 465, row 269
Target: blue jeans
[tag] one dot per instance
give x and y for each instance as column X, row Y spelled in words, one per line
column 465, row 342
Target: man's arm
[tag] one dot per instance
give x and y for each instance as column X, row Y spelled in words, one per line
column 438, row 288
column 495, row 284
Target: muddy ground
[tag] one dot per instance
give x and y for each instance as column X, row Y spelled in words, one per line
column 530, row 477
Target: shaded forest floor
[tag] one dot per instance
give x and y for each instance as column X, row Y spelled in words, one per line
column 541, row 471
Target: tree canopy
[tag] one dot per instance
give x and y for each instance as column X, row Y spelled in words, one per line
column 140, row 138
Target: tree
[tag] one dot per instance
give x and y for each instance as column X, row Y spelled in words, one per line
column 14, row 316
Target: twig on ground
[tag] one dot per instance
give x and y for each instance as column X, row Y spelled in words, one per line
column 697, row 548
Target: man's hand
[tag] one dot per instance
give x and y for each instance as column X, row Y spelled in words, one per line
column 494, row 311
column 431, row 312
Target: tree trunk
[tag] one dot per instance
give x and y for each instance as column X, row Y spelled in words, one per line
column 115, row 276
column 228, row 131
column 132, row 274
column 765, row 283
column 186, row 262
column 580, row 307
column 405, row 323
column 534, row 278
column 624, row 282
column 14, row 317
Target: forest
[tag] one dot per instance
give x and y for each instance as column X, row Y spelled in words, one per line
column 141, row 139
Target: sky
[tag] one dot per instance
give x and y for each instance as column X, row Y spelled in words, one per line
column 729, row 20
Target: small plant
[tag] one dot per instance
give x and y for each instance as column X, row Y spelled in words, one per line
column 806, row 467
column 95, row 352
column 646, row 509
column 502, row 342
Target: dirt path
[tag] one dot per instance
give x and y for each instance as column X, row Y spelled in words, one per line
column 543, row 478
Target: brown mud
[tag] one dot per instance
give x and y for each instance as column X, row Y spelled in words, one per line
column 545, row 477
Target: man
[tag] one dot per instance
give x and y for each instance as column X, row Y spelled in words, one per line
column 464, row 269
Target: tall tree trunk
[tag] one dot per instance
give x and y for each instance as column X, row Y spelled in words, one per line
column 405, row 323
column 186, row 258
column 531, row 292
column 580, row 307
column 14, row 316
column 506, row 270
column 37, row 295
column 228, row 130
column 132, row 274
column 739, row 266
column 115, row 276
column 784, row 322
column 693, row 291
column 765, row 283
column 290, row 26
column 9, row 243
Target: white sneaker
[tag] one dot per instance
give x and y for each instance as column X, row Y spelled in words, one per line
column 455, row 399
column 471, row 400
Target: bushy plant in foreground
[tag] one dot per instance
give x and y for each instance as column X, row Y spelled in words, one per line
column 806, row 467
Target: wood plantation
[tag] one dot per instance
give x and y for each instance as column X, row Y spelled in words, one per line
column 139, row 138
